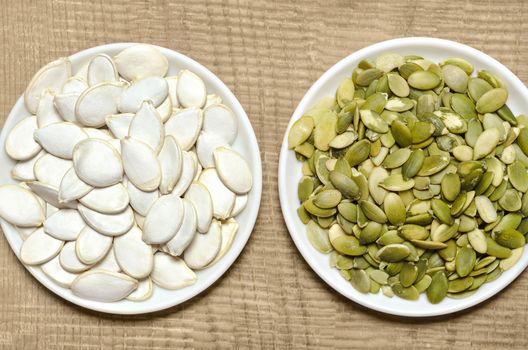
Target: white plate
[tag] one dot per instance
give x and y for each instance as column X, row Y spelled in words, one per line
column 290, row 173
column 246, row 144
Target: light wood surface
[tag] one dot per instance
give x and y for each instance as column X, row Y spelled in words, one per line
column 268, row 53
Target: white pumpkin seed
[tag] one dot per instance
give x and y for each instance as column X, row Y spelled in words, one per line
column 140, row 200
column 51, row 76
column 39, row 248
column 46, row 112
column 240, row 204
column 119, row 124
column 187, row 175
column 170, row 159
column 143, row 291
column 233, row 170
column 171, row 272
column 229, row 230
column 223, row 199
column 108, row 224
column 147, row 127
column 220, row 120
column 134, row 256
column 103, row 286
column 97, row 163
column 69, row 260
column 185, row 126
column 74, row 85
column 72, row 188
column 65, row 106
column 20, row 207
column 23, row 170
column 201, row 200
column 91, row 246
column 101, row 69
column 153, row 89
column 213, row 99
column 100, row 134
column 50, row 169
column 97, row 102
column 20, row 144
column 186, row 232
column 25, row 232
column 65, row 224
column 205, row 147
column 60, row 139
column 141, row 164
column 163, row 219
column 54, row 271
column 204, row 247
column 140, row 61
column 109, row 200
column 190, row 89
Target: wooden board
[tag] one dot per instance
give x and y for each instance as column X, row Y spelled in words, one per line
column 268, row 53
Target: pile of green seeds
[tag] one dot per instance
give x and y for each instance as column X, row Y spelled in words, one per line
column 414, row 177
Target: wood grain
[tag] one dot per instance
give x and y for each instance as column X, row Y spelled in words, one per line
column 268, row 53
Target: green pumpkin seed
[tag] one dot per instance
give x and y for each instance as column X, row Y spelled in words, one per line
column 518, row 176
column 348, row 211
column 455, row 78
column 478, row 241
column 348, row 188
column 442, row 211
column 398, row 85
column 300, row 131
column 437, row 290
column 408, row 293
column 496, row 250
column 372, row 211
column 408, row 68
column 360, row 280
column 510, row 201
column 325, row 130
column 367, row 76
column 394, row 209
column 452, row 121
column 358, row 152
column 413, row 165
column 486, row 143
column 429, row 245
column 460, row 285
column 393, row 253
column 510, row 238
column 373, row 121
column 397, row 104
column 397, row 158
column 492, row 100
column 345, row 92
column 344, row 140
column 396, row 183
column 485, row 209
column 401, row 133
column 305, row 188
column 465, row 261
column 508, row 263
column 348, row 245
column 461, row 63
column 491, row 78
column 413, row 232
column 408, row 274
column 327, row 199
column 318, row 237
column 370, row 233
column 389, row 61
column 433, row 164
column 315, row 210
column 444, row 232
column 423, row 80
column 478, row 87
column 450, row 187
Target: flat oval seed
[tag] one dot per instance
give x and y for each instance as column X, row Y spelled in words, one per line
column 140, row 61
column 393, row 252
column 146, row 126
column 60, row 139
column 97, row 163
column 185, row 125
column 423, row 80
column 140, row 164
column 54, row 271
column 220, row 120
column 204, row 247
column 20, row 144
column 486, row 143
column 398, row 85
column 318, row 237
column 69, row 260
column 394, row 209
column 103, row 286
column 163, row 220
column 20, row 206
column 52, row 76
column 518, row 176
column 510, row 238
column 134, row 256
column 143, row 291
column 96, row 102
column 360, row 280
column 108, row 224
column 171, row 272
column 477, row 239
column 413, row 164
column 170, row 159
column 101, row 69
column 188, row 174
column 92, row 246
column 485, row 209
column 397, row 158
column 465, row 261
column 206, row 145
column 108, row 200
column 233, row 170
column 402, row 134
column 300, row 131
column 190, row 89
column 455, row 78
column 39, row 248
column 492, row 100
column 72, row 188
column 373, row 212
column 373, row 121
column 51, row 170
column 437, row 291
column 199, row 196
column 65, row 224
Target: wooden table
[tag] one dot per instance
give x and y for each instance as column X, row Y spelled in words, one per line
column 268, row 53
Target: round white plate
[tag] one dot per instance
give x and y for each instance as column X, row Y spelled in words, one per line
column 246, row 144
column 290, row 173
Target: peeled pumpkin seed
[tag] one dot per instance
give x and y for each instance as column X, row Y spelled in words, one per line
column 103, row 286
column 492, row 100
